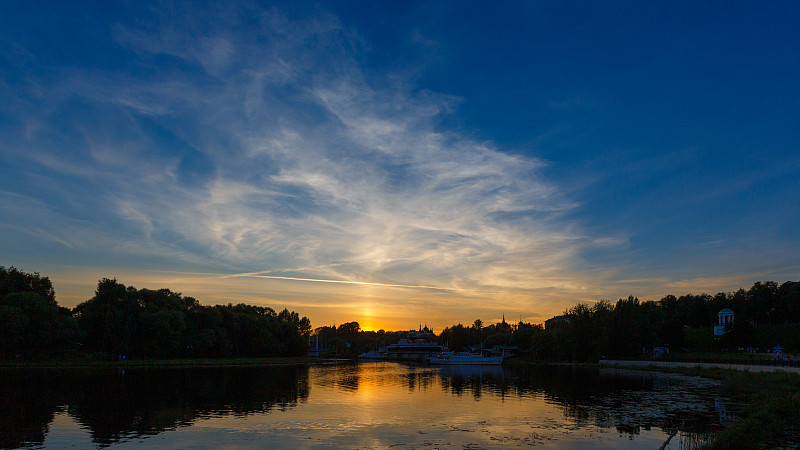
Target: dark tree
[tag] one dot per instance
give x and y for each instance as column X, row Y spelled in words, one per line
column 32, row 322
column 13, row 281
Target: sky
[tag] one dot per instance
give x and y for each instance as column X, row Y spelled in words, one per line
column 401, row 163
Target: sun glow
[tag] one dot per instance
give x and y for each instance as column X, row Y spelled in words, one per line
column 367, row 321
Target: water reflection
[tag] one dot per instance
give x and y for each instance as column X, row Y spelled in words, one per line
column 366, row 404
column 628, row 401
column 118, row 405
column 27, row 406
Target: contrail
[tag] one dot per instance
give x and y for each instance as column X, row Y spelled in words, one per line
column 365, row 283
column 311, row 280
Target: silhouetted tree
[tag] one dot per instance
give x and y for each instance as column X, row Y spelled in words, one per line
column 161, row 323
column 32, row 322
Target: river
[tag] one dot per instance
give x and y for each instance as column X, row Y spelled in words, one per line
column 357, row 405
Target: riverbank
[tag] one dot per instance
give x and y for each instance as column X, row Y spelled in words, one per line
column 89, row 363
column 706, row 365
column 771, row 417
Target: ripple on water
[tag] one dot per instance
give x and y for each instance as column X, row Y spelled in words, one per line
column 371, row 405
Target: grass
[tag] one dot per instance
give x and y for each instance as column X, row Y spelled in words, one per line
column 772, row 412
column 771, row 417
column 729, row 357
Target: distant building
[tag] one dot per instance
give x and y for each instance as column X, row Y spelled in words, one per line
column 504, row 327
column 421, row 333
column 724, row 322
column 555, row 321
column 412, row 350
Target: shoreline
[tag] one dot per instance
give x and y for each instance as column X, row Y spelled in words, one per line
column 771, row 416
column 703, row 365
column 166, row 363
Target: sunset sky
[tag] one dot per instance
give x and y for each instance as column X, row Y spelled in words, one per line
column 398, row 163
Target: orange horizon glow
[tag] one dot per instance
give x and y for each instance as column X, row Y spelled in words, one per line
column 374, row 306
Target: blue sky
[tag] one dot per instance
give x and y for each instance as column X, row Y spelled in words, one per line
column 401, row 162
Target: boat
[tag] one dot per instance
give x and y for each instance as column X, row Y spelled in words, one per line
column 374, row 355
column 412, row 350
column 464, row 358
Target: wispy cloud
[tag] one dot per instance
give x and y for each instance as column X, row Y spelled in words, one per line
column 342, row 171
column 182, row 146
column 262, row 147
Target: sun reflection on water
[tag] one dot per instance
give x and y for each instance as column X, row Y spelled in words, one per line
column 380, row 404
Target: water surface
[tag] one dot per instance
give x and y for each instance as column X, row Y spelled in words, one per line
column 360, row 405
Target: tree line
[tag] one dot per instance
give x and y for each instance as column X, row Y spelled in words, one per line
column 349, row 340
column 627, row 328
column 124, row 321
column 630, row 327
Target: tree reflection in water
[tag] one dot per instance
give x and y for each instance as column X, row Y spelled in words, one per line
column 628, row 401
column 28, row 402
column 118, row 405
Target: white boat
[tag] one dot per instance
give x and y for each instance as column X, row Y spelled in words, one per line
column 373, row 355
column 412, row 350
column 459, row 358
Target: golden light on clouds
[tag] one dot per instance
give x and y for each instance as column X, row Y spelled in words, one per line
column 378, row 306
column 318, row 178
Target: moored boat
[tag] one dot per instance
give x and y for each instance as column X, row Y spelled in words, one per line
column 412, row 350
column 374, row 355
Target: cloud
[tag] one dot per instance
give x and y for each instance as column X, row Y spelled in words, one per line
column 347, row 173
column 263, row 146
